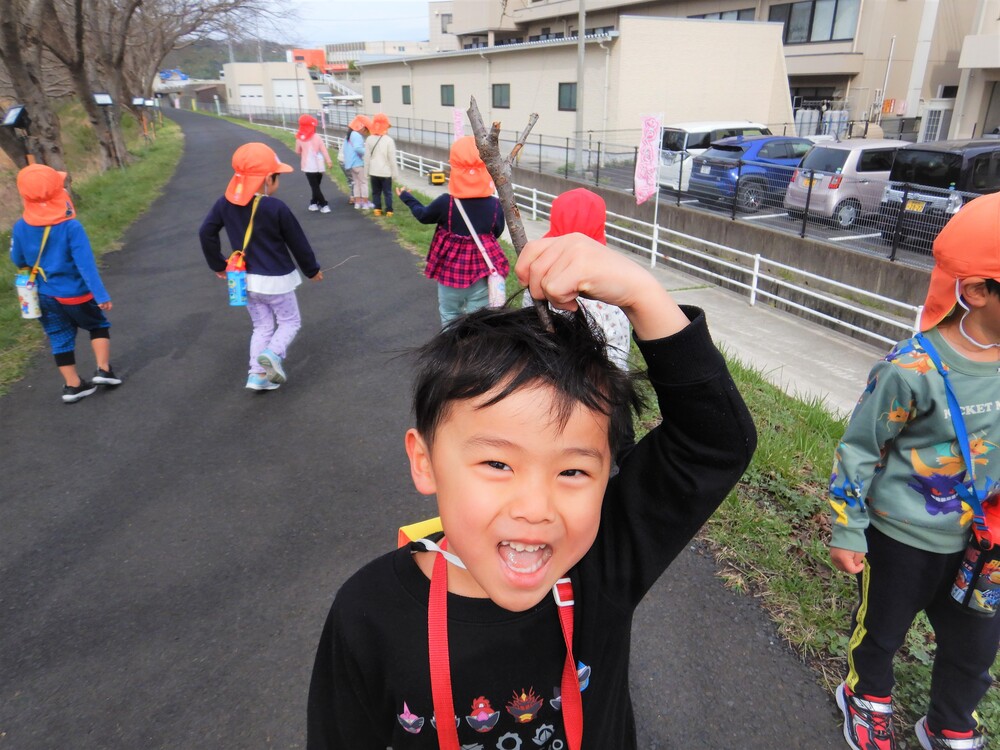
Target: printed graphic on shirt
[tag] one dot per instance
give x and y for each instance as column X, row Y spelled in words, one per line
column 434, row 722
column 582, row 674
column 524, row 707
column 941, row 479
column 410, row 721
column 898, row 412
column 483, row 718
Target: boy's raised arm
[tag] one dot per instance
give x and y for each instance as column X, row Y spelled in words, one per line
column 560, row 269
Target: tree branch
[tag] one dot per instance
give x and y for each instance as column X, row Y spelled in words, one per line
column 499, row 168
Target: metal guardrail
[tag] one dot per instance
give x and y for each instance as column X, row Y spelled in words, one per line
column 745, row 271
column 728, row 266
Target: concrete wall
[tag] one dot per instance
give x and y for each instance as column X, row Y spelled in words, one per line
column 663, row 67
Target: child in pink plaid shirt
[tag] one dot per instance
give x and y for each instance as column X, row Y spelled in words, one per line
column 454, row 260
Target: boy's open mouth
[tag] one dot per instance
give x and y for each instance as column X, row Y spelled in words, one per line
column 524, row 558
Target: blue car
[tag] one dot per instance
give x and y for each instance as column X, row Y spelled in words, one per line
column 752, row 170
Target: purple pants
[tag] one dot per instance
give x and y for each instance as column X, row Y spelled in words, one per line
column 275, row 322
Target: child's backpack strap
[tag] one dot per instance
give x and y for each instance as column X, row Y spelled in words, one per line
column 437, row 641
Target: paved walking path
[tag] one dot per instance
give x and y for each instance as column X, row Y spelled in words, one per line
column 169, row 549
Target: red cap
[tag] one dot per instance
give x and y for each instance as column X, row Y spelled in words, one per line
column 44, row 196
column 307, row 127
column 578, row 210
column 252, row 163
column 967, row 247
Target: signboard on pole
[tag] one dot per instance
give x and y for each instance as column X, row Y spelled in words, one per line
column 647, row 159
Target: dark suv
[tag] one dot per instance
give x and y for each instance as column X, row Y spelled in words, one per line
column 930, row 182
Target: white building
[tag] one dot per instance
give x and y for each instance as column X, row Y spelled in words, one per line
column 648, row 65
column 283, row 86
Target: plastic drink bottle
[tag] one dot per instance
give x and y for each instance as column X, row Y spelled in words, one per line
column 236, row 279
column 27, row 295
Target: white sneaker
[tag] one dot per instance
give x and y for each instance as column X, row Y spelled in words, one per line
column 357, row 206
column 314, row 207
column 325, row 210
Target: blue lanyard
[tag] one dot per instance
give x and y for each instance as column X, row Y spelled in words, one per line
column 972, row 498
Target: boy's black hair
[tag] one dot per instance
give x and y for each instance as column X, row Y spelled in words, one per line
column 500, row 351
column 993, row 287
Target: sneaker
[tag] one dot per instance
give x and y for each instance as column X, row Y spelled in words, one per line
column 388, row 213
column 73, row 393
column 867, row 720
column 377, row 212
column 947, row 740
column 369, row 205
column 358, row 206
column 314, row 207
column 258, row 382
column 324, row 209
column 106, row 377
column 271, row 362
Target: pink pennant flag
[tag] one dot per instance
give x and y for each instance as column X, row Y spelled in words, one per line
column 459, row 117
column 648, row 159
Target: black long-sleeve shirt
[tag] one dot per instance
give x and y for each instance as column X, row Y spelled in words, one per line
column 372, row 664
column 484, row 213
column 277, row 238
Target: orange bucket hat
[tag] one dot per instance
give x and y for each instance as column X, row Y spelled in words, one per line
column 307, row 127
column 380, row 124
column 469, row 177
column 361, row 122
column 578, row 210
column 44, row 196
column 252, row 163
column 967, row 247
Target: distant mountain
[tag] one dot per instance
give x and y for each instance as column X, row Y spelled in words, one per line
column 205, row 59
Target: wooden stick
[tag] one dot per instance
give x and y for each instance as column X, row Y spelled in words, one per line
column 499, row 168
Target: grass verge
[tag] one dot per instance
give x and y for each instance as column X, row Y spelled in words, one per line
column 770, row 535
column 106, row 205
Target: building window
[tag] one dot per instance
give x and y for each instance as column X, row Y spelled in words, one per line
column 501, row 95
column 376, row 94
column 447, row 95
column 445, row 22
column 567, row 97
column 746, row 14
column 406, row 94
column 817, row 20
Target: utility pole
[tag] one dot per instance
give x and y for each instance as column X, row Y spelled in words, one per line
column 581, row 26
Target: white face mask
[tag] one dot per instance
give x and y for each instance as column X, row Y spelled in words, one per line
column 961, row 323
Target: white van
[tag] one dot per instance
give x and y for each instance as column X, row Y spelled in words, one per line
column 684, row 140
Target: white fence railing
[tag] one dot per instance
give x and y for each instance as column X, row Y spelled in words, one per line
column 745, row 269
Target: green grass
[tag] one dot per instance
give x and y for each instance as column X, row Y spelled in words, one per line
column 107, row 204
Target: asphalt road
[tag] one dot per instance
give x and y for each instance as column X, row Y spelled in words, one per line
column 168, row 549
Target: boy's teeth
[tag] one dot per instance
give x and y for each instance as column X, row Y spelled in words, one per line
column 517, row 547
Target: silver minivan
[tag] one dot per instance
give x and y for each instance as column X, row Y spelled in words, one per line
column 842, row 181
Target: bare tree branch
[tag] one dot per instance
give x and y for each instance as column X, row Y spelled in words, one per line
column 499, row 168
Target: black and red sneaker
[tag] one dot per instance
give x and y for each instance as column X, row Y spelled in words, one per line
column 867, row 720
column 947, row 740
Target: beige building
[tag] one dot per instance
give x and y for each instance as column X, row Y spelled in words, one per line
column 909, row 64
column 282, row 86
column 629, row 72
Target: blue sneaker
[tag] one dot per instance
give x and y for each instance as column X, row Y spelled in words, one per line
column 258, row 382
column 271, row 362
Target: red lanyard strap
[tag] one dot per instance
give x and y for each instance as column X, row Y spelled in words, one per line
column 440, row 663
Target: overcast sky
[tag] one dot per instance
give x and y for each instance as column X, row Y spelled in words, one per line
column 330, row 21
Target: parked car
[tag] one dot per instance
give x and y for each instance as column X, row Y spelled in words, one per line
column 842, row 181
column 936, row 179
column 683, row 141
column 752, row 170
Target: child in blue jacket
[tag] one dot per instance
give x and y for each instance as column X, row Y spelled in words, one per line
column 70, row 292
